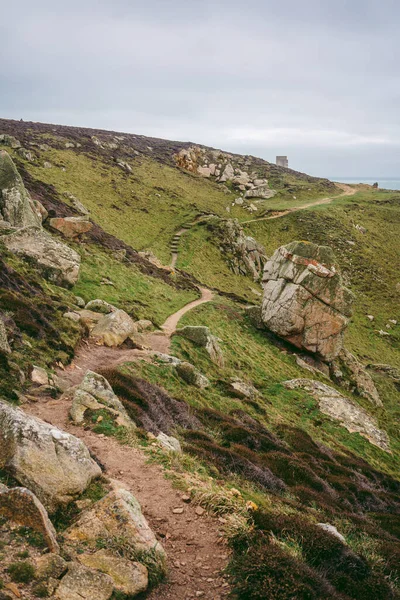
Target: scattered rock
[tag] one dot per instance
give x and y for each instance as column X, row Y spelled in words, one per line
column 80, row 302
column 57, row 261
column 167, row 358
column 304, row 299
column 255, row 316
column 201, row 336
column 39, row 376
column 94, row 393
column 113, row 329
column 89, row 318
column 72, row 316
column 104, row 521
column 22, row 507
column 350, row 415
column 143, row 325
column 10, row 140
column 199, row 511
column 332, row 530
column 100, row 306
column 50, row 565
column 178, row 511
column 55, row 465
column 241, row 389
column 77, row 204
column 16, row 205
column 263, row 191
column 71, row 227
column 130, row 578
column 82, row 583
column 169, row 442
column 227, row 174
column 191, row 375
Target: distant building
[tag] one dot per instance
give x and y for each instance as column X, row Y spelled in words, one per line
column 282, row 161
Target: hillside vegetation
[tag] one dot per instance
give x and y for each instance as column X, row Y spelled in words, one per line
column 269, row 463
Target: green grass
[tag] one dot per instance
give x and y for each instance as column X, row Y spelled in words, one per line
column 136, row 293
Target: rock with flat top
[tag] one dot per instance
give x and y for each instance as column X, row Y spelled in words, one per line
column 82, row 583
column 100, row 306
column 262, row 191
column 71, row 227
column 305, row 301
column 50, row 565
column 241, row 389
column 57, row 262
column 21, row 506
column 130, row 578
column 53, row 464
column 332, row 530
column 39, row 376
column 113, row 329
column 353, row 417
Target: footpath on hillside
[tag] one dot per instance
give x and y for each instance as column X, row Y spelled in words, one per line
column 194, row 541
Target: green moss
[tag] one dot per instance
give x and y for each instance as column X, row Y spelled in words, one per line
column 21, row 572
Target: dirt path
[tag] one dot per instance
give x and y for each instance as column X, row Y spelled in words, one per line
column 194, row 543
column 347, row 191
column 170, row 324
column 195, row 546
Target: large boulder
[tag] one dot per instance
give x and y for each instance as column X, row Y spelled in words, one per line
column 305, row 301
column 350, row 415
column 113, row 329
column 116, row 514
column 21, row 506
column 71, row 227
column 129, row 578
column 58, row 262
column 95, row 393
column 53, row 464
column 16, row 205
column 191, row 375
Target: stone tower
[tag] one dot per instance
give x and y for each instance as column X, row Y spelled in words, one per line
column 282, row 161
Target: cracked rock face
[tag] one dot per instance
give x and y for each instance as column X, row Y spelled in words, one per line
column 305, row 301
column 16, row 205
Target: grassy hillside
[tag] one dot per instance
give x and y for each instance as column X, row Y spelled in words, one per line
column 295, row 466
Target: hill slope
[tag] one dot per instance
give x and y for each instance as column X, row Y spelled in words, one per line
column 268, row 462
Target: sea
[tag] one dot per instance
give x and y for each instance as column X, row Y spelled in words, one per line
column 387, row 183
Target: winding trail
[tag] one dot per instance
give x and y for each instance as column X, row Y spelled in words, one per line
column 347, row 191
column 194, row 541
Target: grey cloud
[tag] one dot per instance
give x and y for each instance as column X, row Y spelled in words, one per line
column 316, row 80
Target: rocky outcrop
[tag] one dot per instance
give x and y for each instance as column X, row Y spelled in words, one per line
column 348, row 372
column 82, row 583
column 191, row 375
column 104, row 519
column 16, row 205
column 71, row 227
column 262, row 191
column 350, row 415
column 305, row 301
column 201, row 336
column 129, row 578
column 57, row 262
column 95, row 393
column 53, row 464
column 113, row 329
column 21, row 506
column 244, row 255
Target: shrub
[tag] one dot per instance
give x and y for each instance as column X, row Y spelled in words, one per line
column 21, row 572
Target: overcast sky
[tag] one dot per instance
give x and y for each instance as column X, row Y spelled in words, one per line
column 317, row 80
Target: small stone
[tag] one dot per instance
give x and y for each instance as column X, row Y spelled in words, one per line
column 178, row 511
column 39, row 376
column 186, row 498
column 199, row 511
